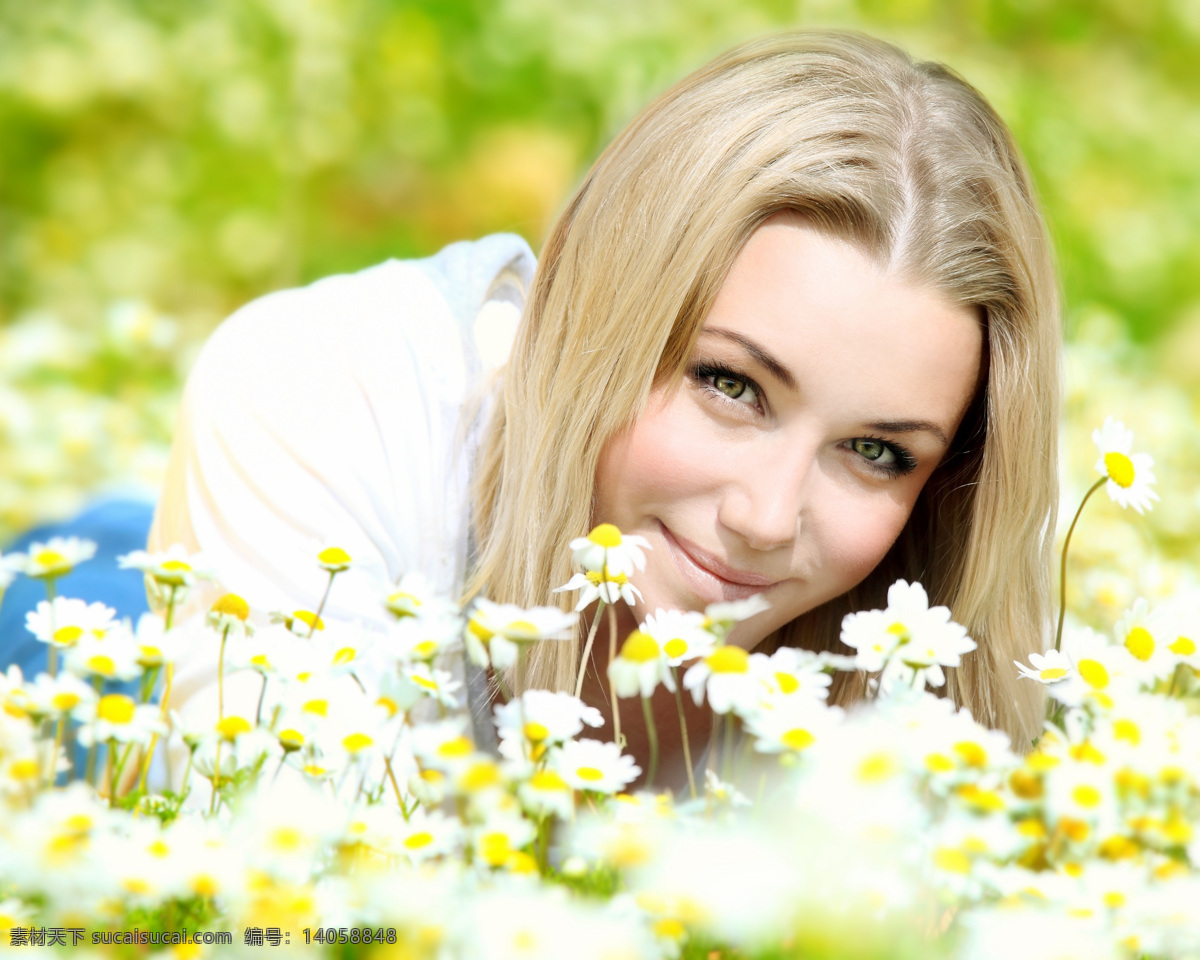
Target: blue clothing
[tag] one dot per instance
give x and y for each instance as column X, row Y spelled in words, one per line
column 117, row 525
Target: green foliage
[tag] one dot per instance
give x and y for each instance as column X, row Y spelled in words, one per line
column 189, row 157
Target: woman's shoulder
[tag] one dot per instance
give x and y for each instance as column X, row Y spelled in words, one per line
column 455, row 310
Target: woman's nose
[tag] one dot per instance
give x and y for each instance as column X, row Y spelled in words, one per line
column 765, row 500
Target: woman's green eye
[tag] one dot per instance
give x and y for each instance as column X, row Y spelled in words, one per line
column 874, row 450
column 732, row 387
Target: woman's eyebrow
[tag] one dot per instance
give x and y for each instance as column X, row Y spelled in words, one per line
column 784, row 376
column 761, row 356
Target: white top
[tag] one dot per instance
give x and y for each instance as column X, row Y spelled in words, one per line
column 330, row 414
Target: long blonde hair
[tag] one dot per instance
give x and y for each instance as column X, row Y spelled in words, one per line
column 906, row 160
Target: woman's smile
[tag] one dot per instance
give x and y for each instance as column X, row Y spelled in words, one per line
column 822, row 392
column 712, row 580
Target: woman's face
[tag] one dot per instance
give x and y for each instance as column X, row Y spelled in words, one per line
column 822, row 394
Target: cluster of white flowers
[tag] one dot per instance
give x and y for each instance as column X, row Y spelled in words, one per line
column 352, row 791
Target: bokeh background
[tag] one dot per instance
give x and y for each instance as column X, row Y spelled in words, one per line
column 162, row 163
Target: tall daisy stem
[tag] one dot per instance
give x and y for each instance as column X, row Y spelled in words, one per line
column 587, row 648
column 52, row 651
column 683, row 733
column 1062, row 575
column 612, row 655
column 321, row 606
column 652, row 735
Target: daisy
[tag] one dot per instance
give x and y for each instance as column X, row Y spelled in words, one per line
column 58, row 696
column 414, row 596
column 230, row 612
column 116, row 717
column 605, row 549
column 426, row 835
column 56, row 557
column 1129, row 474
column 791, row 726
column 681, row 634
column 504, row 627
column 544, row 718
column 595, row 765
column 791, row 672
column 1144, row 635
column 334, row 559
column 720, row 618
column 726, row 677
column 63, row 622
column 639, row 667
column 113, row 658
column 1051, row 667
column 171, row 568
column 546, row 793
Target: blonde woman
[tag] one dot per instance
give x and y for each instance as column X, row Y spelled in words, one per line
column 798, row 327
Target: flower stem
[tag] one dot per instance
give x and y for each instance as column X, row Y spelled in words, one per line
column 261, row 694
column 683, row 732
column 58, row 737
column 587, row 648
column 221, row 677
column 52, row 652
column 652, row 734
column 321, row 606
column 612, row 655
column 1062, row 579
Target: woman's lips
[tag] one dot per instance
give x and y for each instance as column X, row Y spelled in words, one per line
column 712, row 580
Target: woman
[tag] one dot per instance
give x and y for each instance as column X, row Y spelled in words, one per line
column 798, row 196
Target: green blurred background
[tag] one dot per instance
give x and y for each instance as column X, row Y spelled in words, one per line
column 162, row 162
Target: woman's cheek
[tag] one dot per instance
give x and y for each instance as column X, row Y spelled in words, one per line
column 857, row 536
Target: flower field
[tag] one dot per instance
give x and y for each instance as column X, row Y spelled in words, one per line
column 350, row 809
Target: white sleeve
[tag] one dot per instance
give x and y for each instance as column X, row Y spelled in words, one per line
column 330, row 414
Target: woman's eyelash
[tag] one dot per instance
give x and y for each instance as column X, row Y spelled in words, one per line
column 705, row 371
column 904, row 462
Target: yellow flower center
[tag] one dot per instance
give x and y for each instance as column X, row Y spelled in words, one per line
column 787, row 682
column 1053, row 673
column 343, row 656
column 260, row 660
column 388, row 704
column 175, row 566
column 425, row 683
column 1086, row 796
column 605, row 535
column 1093, row 673
column 230, row 728
column 157, row 848
column 675, row 648
column 458, row 747
column 1120, row 469
column 318, row 707
column 797, row 739
column 149, row 654
column 26, row 769
column 334, row 557
column 68, row 636
column 971, row 753
column 952, row 860
column 535, row 732
column 639, row 648
column 547, row 780
column 1183, row 647
column 1126, row 729
column 287, row 838
column 606, row 576
column 1140, row 643
column 425, row 649
column 356, row 742
column 480, row 776
column 1114, row 900
column 101, row 664
column 205, row 885
column 232, row 605
column 939, row 763
column 309, row 619
column 50, row 560
column 65, row 701
column 728, row 659
column 479, row 629
column 291, row 739
column 590, row 774
column 899, row 630
column 669, row 928
column 494, row 848
column 115, row 708
column 877, row 767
